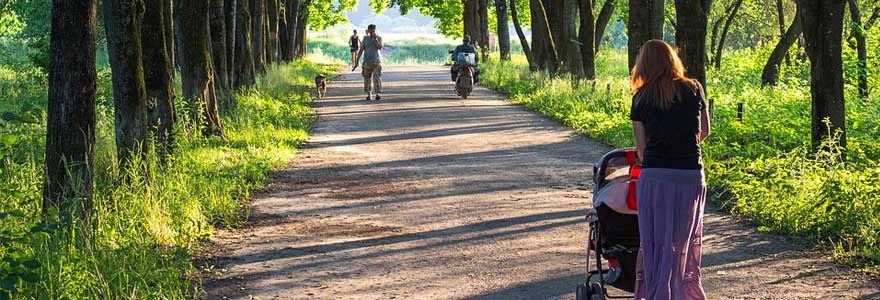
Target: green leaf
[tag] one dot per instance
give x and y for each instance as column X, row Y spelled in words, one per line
column 9, row 283
column 9, row 116
column 31, row 264
column 30, row 277
column 7, row 140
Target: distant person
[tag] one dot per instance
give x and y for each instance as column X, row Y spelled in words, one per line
column 370, row 53
column 670, row 120
column 354, row 42
column 457, row 61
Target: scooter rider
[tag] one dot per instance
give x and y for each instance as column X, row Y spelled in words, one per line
column 465, row 47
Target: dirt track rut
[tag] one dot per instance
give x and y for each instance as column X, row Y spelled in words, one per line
column 426, row 196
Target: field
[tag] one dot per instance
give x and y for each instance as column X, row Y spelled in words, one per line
column 147, row 230
column 761, row 168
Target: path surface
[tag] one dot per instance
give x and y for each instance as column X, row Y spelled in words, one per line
column 426, row 196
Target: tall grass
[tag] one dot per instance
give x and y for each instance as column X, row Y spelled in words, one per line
column 146, row 231
column 395, row 52
column 761, row 168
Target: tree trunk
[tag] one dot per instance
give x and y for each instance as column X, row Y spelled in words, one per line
column 218, row 43
column 70, row 127
column 230, row 8
column 645, row 23
column 288, row 35
column 780, row 13
column 168, row 9
column 484, row 29
column 503, row 31
column 300, row 42
column 859, row 33
column 543, row 45
column 522, row 37
column 572, row 62
column 727, row 23
column 157, row 75
column 690, row 36
column 196, row 68
column 257, row 41
column 122, row 20
column 471, row 19
column 771, row 69
column 587, row 38
column 823, row 30
column 272, row 9
column 244, row 59
column 602, row 22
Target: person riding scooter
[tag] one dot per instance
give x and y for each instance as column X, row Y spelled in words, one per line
column 461, row 55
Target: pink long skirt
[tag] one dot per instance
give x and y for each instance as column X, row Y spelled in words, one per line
column 671, row 205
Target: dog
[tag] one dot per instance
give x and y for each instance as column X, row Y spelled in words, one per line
column 321, row 85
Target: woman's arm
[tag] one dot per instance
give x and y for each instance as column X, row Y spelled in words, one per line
column 705, row 123
column 705, row 127
column 639, row 135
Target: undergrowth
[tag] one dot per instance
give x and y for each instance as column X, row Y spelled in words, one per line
column 761, row 168
column 146, row 231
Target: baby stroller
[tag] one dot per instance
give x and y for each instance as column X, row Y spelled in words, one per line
column 614, row 227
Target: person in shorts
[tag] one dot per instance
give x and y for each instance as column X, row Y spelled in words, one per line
column 354, row 43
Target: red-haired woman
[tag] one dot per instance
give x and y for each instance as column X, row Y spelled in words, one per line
column 670, row 120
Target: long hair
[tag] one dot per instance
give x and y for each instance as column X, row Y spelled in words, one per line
column 656, row 73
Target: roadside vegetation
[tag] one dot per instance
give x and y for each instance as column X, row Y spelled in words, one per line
column 761, row 168
column 146, row 229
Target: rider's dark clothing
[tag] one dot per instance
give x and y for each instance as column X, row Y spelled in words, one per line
column 464, row 48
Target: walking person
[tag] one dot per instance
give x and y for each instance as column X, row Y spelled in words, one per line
column 670, row 120
column 354, row 43
column 370, row 54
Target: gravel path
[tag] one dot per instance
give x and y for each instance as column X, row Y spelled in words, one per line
column 425, row 196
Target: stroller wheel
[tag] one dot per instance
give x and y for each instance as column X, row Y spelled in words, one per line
column 583, row 292
column 596, row 292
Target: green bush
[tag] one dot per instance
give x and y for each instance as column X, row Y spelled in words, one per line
column 147, row 231
column 759, row 168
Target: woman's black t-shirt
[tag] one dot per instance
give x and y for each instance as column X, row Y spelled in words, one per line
column 672, row 136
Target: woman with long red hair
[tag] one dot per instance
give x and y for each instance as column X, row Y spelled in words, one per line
column 670, row 120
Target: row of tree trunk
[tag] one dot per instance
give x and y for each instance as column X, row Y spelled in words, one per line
column 218, row 46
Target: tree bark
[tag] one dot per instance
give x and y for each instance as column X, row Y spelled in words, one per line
column 522, row 37
column 471, row 19
column 503, row 30
column 70, row 127
column 726, row 29
column 244, row 59
column 823, row 31
column 602, row 22
column 587, row 38
column 543, row 45
column 288, row 35
column 196, row 68
column 157, row 75
column 859, row 33
column 218, row 43
column 230, row 8
column 257, row 37
column 272, row 9
column 692, row 17
column 484, row 29
column 770, row 74
column 168, row 15
column 300, row 42
column 122, row 20
column 645, row 23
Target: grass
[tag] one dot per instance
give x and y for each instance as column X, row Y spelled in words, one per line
column 396, row 52
column 762, row 168
column 147, row 230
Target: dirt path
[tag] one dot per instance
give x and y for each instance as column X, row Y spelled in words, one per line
column 426, row 196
